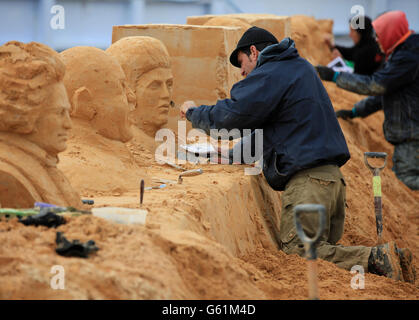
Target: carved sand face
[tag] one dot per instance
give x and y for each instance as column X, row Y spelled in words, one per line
column 52, row 127
column 146, row 63
column 99, row 92
column 114, row 106
column 154, row 92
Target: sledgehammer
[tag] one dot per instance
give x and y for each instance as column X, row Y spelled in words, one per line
column 376, row 185
column 310, row 243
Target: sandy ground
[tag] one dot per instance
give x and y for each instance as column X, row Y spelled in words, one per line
column 211, row 237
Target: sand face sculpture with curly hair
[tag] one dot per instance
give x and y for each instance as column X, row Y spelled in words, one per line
column 34, row 127
column 146, row 63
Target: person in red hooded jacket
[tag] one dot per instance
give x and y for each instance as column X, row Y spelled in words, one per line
column 393, row 89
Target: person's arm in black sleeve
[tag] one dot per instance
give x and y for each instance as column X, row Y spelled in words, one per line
column 362, row 108
column 367, row 106
column 347, row 53
column 251, row 105
column 400, row 71
column 364, row 60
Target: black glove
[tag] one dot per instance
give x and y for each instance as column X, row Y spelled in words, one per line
column 44, row 218
column 345, row 114
column 325, row 73
column 74, row 248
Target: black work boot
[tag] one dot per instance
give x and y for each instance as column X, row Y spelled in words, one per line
column 408, row 270
column 384, row 261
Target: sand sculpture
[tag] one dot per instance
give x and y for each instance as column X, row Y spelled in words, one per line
column 98, row 92
column 228, row 22
column 34, row 127
column 280, row 26
column 304, row 30
column 101, row 108
column 198, row 54
column 146, row 63
column 208, row 238
column 201, row 71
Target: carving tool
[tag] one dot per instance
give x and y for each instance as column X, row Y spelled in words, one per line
column 166, row 181
column 141, row 192
column 189, row 173
column 175, row 166
column 156, row 187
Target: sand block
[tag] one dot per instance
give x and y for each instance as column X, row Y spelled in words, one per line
column 308, row 34
column 280, row 26
column 199, row 56
column 121, row 215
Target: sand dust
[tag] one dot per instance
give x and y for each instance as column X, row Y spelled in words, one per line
column 211, row 237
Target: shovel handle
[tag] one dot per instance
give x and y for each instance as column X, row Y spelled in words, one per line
column 376, row 186
column 313, row 291
column 379, row 155
column 309, row 242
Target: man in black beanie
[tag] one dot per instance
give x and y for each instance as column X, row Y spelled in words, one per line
column 303, row 146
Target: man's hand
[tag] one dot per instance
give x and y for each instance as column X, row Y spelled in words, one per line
column 325, row 73
column 185, row 106
column 345, row 114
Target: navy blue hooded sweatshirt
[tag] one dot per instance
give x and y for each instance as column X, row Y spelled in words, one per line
column 284, row 96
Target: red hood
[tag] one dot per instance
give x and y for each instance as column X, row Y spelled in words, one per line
column 392, row 29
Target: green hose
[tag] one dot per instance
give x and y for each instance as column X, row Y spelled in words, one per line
column 12, row 213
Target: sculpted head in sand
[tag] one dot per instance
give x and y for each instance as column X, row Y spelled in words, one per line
column 34, row 126
column 98, row 92
column 146, row 63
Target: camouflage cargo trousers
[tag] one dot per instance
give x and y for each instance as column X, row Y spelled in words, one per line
column 406, row 163
column 321, row 185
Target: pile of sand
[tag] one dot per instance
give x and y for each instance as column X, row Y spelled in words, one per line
column 308, row 34
column 212, row 237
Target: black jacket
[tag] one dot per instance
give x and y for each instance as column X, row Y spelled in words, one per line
column 365, row 55
column 394, row 88
column 283, row 96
